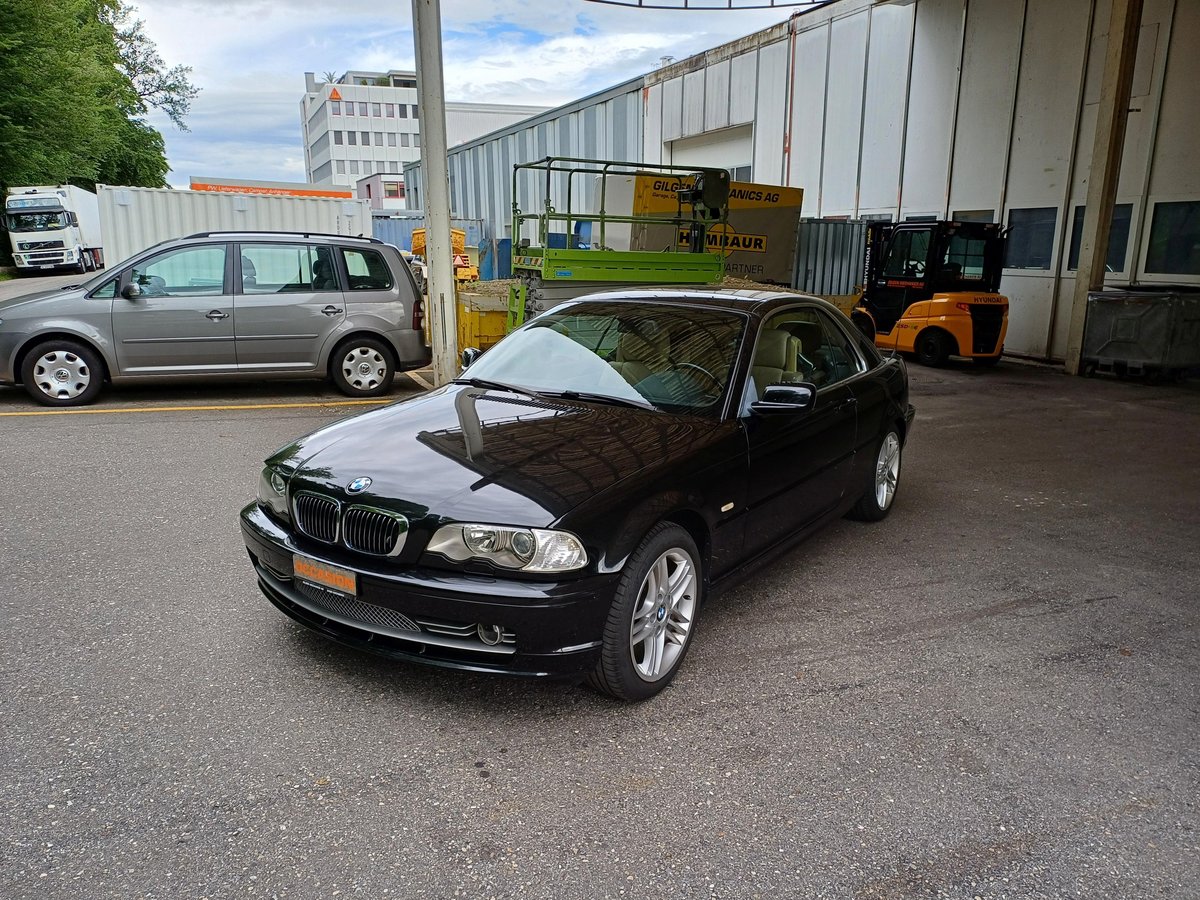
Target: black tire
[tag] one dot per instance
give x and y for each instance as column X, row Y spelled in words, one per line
column 363, row 367
column 986, row 362
column 62, row 373
column 870, row 506
column 932, row 347
column 617, row 672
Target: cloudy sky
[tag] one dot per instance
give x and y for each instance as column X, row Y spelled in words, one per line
column 249, row 58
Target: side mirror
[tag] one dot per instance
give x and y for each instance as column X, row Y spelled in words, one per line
column 783, row 399
column 470, row 354
column 131, row 291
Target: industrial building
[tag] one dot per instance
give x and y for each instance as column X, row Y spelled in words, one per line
column 368, row 123
column 915, row 109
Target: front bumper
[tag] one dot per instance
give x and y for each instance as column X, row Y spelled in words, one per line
column 429, row 616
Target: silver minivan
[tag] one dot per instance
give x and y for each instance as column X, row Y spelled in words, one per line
column 254, row 304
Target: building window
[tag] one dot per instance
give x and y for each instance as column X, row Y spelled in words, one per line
column 336, row 107
column 876, row 217
column 921, row 218
column 377, row 109
column 416, row 140
column 1030, row 238
column 404, row 140
column 362, row 109
column 337, row 138
column 403, row 110
column 394, row 168
column 341, row 167
column 1175, row 239
column 1118, row 237
column 379, row 139
column 391, row 140
column 352, row 138
column 391, row 189
column 366, row 139
column 368, row 190
column 414, row 110
column 739, row 173
column 986, row 216
column 354, row 167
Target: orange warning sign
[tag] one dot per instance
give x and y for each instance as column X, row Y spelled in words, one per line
column 335, row 95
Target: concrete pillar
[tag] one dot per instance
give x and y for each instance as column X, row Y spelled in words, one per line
column 1112, row 114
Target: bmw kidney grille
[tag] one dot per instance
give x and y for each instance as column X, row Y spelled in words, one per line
column 378, row 532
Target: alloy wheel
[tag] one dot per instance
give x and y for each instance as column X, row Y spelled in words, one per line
column 887, row 470
column 663, row 615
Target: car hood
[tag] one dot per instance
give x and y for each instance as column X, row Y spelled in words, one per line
column 469, row 454
column 40, row 298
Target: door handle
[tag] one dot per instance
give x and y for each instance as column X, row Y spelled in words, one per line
column 847, row 405
column 331, row 310
column 216, row 315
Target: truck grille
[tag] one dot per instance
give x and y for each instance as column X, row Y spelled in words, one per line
column 373, row 531
column 986, row 321
column 40, row 245
column 318, row 517
column 362, row 528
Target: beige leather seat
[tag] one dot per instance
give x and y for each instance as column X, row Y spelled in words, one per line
column 774, row 359
column 811, row 362
column 638, row 357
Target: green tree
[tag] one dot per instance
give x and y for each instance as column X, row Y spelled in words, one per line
column 79, row 76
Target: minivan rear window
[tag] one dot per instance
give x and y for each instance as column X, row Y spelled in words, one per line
column 368, row 270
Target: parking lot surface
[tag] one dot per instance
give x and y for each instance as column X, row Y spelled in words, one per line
column 993, row 693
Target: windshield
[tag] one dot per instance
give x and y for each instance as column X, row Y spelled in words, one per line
column 37, row 221
column 675, row 358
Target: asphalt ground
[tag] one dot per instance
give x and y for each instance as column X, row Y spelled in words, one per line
column 993, row 693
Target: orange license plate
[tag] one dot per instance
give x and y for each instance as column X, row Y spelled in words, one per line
column 335, row 578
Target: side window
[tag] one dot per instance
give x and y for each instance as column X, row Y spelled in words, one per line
column 839, row 357
column 803, row 345
column 106, row 291
column 908, row 252
column 287, row 269
column 368, row 270
column 190, row 272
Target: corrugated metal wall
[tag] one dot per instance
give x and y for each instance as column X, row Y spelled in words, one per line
column 134, row 218
column 829, row 256
column 607, row 125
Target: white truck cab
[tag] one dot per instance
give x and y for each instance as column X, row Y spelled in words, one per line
column 54, row 227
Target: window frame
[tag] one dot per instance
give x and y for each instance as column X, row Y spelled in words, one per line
column 349, row 286
column 333, row 262
column 1145, row 230
column 125, row 275
column 1051, row 270
column 1069, row 270
column 864, row 365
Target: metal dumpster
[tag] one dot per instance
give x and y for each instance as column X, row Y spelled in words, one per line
column 1151, row 334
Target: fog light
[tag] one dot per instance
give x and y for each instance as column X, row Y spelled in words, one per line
column 490, row 634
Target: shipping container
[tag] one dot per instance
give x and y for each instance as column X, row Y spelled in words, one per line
column 134, row 218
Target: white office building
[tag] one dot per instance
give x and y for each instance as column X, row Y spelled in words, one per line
column 368, row 123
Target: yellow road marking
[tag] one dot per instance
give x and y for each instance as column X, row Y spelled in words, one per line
column 214, row 408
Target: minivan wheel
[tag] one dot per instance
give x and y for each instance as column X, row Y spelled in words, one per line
column 653, row 616
column 363, row 367
column 62, row 373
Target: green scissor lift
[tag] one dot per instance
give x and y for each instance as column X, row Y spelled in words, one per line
column 550, row 274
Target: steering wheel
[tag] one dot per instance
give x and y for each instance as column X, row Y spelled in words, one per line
column 716, row 382
column 915, row 267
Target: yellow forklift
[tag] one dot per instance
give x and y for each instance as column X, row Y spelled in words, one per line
column 931, row 289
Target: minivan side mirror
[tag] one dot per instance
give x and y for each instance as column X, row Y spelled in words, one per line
column 782, row 399
column 470, row 354
column 131, row 291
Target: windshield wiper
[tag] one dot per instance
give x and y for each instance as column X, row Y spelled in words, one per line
column 599, row 398
column 494, row 385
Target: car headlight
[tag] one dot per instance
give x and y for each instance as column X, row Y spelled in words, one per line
column 272, row 494
column 527, row 549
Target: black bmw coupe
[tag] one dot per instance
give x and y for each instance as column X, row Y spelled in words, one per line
column 569, row 504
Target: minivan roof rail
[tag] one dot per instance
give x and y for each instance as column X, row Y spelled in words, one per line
column 342, row 237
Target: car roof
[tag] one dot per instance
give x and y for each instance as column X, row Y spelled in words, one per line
column 740, row 299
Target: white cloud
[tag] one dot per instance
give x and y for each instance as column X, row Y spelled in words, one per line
column 249, row 58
